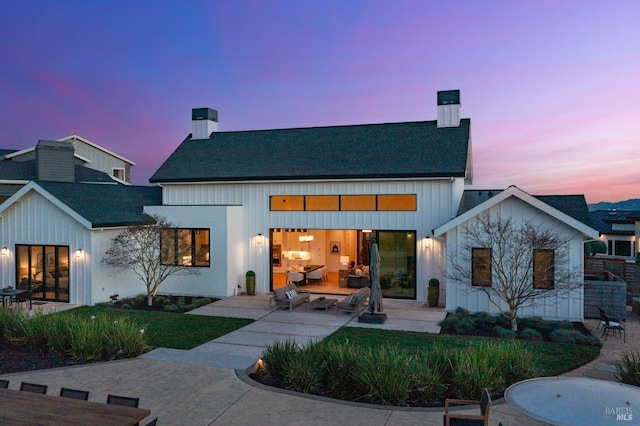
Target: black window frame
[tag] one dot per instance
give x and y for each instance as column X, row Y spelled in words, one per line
column 177, row 256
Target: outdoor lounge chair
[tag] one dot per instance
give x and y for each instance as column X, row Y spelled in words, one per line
column 460, row 418
column 609, row 325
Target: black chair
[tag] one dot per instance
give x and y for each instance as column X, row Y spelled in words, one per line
column 123, row 400
column 152, row 422
column 615, row 326
column 32, row 387
column 4, row 384
column 23, row 298
column 74, row 394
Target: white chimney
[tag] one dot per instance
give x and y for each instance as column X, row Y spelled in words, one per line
column 449, row 108
column 204, row 121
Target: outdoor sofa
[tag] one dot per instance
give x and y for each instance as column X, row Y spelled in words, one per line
column 281, row 299
column 354, row 302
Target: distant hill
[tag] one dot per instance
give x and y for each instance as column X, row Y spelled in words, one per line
column 620, row 205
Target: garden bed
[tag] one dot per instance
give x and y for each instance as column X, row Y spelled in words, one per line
column 165, row 303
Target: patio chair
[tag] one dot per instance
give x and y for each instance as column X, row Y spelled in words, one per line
column 23, row 298
column 152, row 422
column 32, row 387
column 615, row 326
column 74, row 394
column 604, row 313
column 123, row 400
column 460, row 418
column 4, row 384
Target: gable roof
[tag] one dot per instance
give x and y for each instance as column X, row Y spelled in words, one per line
column 370, row 151
column 94, row 205
column 603, row 220
column 570, row 209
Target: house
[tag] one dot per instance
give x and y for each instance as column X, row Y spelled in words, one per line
column 301, row 200
column 93, row 162
column 567, row 216
column 619, row 230
column 57, row 219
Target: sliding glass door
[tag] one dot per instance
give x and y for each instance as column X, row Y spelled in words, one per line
column 398, row 263
column 44, row 270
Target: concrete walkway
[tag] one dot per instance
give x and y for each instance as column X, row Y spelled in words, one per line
column 207, row 384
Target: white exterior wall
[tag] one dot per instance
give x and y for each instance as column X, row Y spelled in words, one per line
column 100, row 160
column 248, row 214
column 36, row 221
column 462, row 295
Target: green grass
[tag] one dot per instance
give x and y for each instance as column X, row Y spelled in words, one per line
column 171, row 330
column 553, row 358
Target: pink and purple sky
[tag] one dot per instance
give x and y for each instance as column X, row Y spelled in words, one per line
column 552, row 87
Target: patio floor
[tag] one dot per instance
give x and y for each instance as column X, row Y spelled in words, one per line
column 241, row 349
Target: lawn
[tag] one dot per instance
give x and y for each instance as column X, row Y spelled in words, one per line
column 168, row 329
column 553, row 358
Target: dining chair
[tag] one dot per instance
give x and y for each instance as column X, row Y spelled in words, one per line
column 23, row 298
column 123, row 400
column 296, row 278
column 314, row 276
column 74, row 394
column 32, row 387
column 4, row 384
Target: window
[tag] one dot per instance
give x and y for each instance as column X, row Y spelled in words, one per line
column 623, row 248
column 188, row 247
column 481, row 267
column 118, row 173
column 44, row 270
column 543, row 269
column 368, row 202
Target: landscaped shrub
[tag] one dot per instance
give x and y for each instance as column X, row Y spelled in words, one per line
column 628, row 368
column 390, row 375
column 504, row 333
column 564, row 335
column 537, row 323
column 458, row 324
column 531, row 334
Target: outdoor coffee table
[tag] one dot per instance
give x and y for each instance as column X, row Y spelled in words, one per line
column 322, row 304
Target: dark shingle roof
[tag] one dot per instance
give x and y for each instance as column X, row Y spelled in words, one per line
column 107, row 205
column 26, row 170
column 603, row 220
column 572, row 205
column 415, row 149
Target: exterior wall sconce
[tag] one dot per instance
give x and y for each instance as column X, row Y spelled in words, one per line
column 79, row 253
column 4, row 251
column 427, row 241
column 259, row 239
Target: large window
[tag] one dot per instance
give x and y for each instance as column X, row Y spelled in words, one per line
column 44, row 270
column 187, row 247
column 543, row 269
column 481, row 264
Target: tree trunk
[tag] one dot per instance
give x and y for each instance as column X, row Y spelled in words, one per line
column 149, row 299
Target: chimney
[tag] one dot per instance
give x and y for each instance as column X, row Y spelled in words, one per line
column 204, row 121
column 449, row 108
column 55, row 161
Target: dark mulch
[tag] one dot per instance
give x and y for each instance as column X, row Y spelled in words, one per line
column 177, row 304
column 14, row 360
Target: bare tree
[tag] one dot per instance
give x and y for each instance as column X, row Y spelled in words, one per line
column 138, row 249
column 515, row 265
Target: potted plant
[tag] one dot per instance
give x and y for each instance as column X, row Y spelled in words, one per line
column 434, row 292
column 251, row 283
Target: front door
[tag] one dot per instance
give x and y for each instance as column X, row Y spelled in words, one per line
column 44, row 270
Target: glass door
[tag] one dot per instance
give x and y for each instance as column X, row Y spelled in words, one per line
column 44, row 270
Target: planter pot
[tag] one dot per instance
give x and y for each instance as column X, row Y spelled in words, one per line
column 434, row 295
column 251, row 285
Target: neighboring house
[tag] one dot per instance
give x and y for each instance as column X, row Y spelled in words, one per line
column 619, row 230
column 58, row 218
column 566, row 215
column 17, row 167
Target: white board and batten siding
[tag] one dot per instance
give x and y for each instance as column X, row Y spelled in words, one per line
column 249, row 214
column 462, row 295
